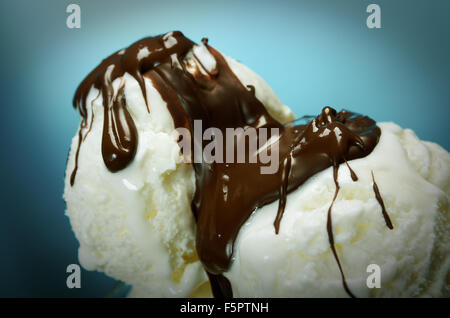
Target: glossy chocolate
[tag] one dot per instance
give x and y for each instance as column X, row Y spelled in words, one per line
column 226, row 193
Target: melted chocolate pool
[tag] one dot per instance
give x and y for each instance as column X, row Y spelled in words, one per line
column 226, row 193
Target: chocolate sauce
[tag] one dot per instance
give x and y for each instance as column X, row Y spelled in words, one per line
column 352, row 173
column 226, row 193
column 119, row 141
column 330, row 231
column 386, row 217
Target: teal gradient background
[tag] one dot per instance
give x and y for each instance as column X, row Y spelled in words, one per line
column 312, row 53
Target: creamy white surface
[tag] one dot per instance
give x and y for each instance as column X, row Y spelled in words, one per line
column 136, row 225
column 414, row 181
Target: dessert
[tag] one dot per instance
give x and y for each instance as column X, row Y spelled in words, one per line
column 151, row 212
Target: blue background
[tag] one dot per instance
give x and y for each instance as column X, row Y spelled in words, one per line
column 313, row 53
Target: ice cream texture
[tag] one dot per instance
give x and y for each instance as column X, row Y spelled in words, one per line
column 414, row 179
column 134, row 208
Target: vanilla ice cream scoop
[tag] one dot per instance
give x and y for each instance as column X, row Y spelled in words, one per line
column 136, row 224
column 413, row 258
column 187, row 173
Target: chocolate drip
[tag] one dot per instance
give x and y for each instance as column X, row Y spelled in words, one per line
column 283, row 189
column 330, row 231
column 81, row 138
column 352, row 173
column 77, row 153
column 119, row 141
column 226, row 193
column 386, row 217
column 220, row 286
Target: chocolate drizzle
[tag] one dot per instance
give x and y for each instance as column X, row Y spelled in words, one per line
column 226, row 193
column 119, row 141
column 330, row 231
column 386, row 217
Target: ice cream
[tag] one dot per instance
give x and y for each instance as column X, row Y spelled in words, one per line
column 145, row 216
column 414, row 180
column 136, row 224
